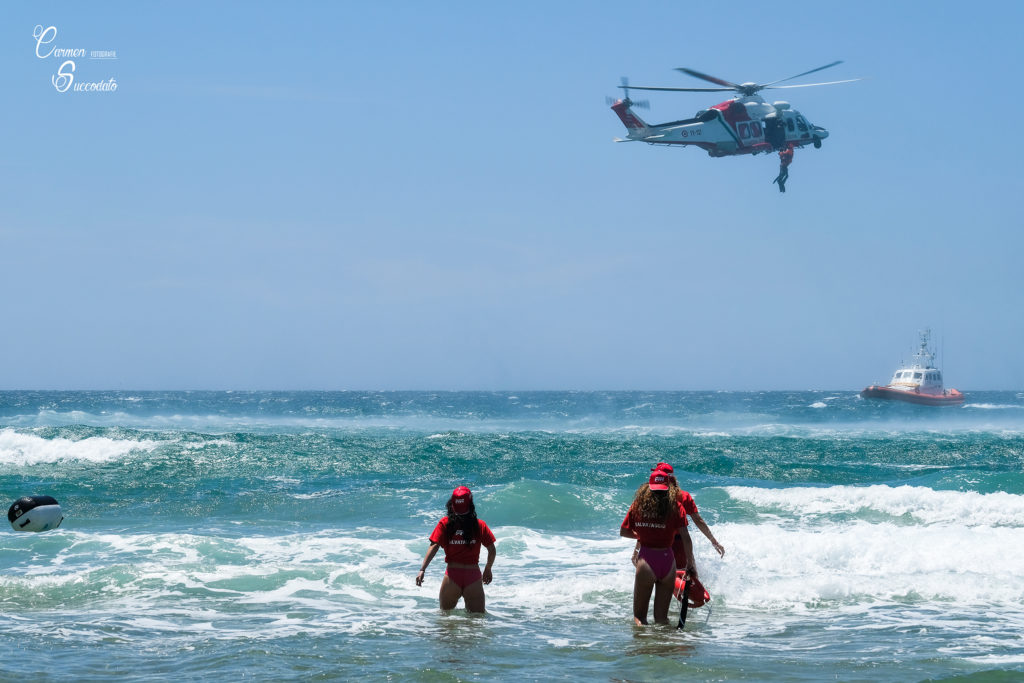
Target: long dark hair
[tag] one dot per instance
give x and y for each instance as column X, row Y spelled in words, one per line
column 467, row 522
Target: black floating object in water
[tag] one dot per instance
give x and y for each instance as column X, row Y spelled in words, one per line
column 35, row 513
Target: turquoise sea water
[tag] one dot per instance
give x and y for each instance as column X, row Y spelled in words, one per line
column 276, row 536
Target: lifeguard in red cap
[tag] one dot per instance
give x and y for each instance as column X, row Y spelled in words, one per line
column 461, row 534
column 653, row 519
column 682, row 546
column 687, row 585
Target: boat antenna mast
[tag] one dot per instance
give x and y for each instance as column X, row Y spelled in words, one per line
column 924, row 358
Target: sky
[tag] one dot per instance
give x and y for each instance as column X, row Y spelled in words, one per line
column 403, row 195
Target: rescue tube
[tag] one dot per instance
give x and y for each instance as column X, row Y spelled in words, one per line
column 697, row 595
column 35, row 513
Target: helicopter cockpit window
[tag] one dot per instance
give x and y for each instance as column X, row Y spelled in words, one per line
column 789, row 125
column 801, row 124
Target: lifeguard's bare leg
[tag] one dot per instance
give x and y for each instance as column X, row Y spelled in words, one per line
column 643, row 585
column 450, row 593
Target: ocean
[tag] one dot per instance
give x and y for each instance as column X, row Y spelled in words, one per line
column 277, row 535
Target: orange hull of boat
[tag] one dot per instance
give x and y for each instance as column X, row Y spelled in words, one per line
column 951, row 397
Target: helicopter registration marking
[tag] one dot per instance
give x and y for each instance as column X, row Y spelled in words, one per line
column 694, row 133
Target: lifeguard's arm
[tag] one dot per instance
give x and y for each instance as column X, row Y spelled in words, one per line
column 628, row 533
column 691, row 564
column 703, row 526
column 491, row 552
column 431, row 551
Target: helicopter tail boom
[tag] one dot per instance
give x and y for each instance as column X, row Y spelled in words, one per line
column 628, row 117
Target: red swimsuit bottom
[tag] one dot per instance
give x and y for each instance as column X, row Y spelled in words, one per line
column 464, row 577
column 661, row 560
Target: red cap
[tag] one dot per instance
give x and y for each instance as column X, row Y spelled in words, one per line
column 664, row 467
column 659, row 480
column 462, row 498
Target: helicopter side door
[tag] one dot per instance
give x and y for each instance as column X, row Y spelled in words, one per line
column 750, row 132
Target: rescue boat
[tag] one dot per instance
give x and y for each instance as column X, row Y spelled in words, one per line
column 920, row 383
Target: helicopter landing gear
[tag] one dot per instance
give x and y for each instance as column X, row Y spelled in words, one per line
column 817, row 142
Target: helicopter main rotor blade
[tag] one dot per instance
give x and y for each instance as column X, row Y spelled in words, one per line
column 644, row 87
column 808, row 85
column 711, row 79
column 827, row 66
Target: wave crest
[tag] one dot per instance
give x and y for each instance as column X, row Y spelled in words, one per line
column 18, row 448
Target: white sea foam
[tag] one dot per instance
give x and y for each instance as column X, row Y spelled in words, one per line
column 18, row 448
column 995, row 406
column 739, row 424
column 998, row 660
column 861, row 563
column 920, row 504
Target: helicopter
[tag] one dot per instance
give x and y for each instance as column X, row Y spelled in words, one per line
column 745, row 124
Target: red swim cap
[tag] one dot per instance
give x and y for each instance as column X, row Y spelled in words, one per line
column 462, row 498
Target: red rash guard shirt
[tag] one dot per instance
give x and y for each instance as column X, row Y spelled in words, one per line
column 656, row 533
column 687, row 506
column 457, row 550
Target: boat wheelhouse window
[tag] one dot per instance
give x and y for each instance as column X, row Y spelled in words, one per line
column 917, row 375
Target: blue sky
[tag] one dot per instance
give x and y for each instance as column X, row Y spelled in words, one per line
column 408, row 195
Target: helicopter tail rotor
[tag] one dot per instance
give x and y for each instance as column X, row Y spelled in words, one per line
column 639, row 104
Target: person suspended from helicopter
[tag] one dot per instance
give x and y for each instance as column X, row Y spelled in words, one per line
column 785, row 159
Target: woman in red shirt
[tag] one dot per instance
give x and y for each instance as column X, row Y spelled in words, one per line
column 461, row 534
column 653, row 519
column 683, row 545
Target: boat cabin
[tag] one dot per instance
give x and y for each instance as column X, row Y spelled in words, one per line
column 923, row 378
